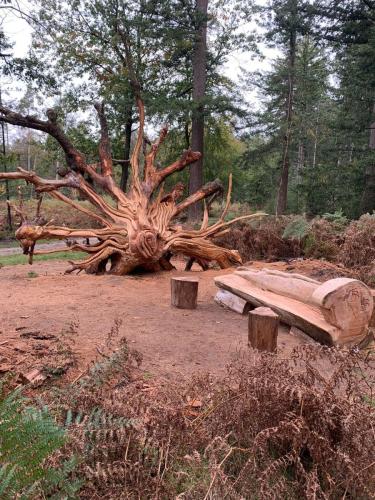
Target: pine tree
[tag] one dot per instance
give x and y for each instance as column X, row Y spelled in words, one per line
column 287, row 21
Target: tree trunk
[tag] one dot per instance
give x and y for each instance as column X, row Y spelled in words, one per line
column 368, row 195
column 7, row 192
column 199, row 88
column 282, row 195
column 316, row 132
column 187, row 134
column 125, row 167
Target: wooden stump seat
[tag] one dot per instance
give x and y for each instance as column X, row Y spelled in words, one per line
column 333, row 313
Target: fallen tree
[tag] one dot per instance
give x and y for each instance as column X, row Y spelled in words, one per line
column 138, row 229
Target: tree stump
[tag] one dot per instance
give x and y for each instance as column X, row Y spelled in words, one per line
column 263, row 328
column 184, row 292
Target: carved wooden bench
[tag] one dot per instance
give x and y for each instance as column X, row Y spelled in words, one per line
column 335, row 312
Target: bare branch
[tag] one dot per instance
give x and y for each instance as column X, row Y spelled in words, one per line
column 71, row 180
column 43, row 185
column 203, row 192
column 158, row 176
column 134, row 160
column 79, row 207
column 149, row 168
column 75, row 159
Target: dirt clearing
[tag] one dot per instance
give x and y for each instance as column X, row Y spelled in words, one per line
column 172, row 341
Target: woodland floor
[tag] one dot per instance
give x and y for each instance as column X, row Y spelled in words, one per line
column 173, row 342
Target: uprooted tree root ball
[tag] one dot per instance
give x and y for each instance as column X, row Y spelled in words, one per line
column 138, row 231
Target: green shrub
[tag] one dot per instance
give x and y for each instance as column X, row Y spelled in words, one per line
column 297, row 229
column 337, row 218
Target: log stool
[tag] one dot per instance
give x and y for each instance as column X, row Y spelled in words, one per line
column 184, row 292
column 263, row 328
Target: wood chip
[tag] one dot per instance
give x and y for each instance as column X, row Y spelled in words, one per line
column 195, row 403
column 34, row 377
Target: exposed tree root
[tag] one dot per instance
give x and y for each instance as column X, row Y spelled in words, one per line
column 138, row 232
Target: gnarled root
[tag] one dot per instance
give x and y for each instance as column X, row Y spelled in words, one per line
column 206, row 250
column 137, row 229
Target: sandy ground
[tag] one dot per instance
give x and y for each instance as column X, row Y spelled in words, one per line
column 173, row 342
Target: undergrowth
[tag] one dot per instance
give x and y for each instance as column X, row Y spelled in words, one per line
column 272, row 428
column 30, row 440
column 358, row 248
column 329, row 237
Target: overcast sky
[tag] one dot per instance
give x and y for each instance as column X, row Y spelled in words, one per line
column 19, row 32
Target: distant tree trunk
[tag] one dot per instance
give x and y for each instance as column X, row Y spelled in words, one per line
column 300, row 166
column 187, row 134
column 199, row 88
column 282, row 195
column 316, row 132
column 127, row 144
column 368, row 195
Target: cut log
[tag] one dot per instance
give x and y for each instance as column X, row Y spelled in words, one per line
column 291, row 285
column 232, row 302
column 184, row 292
column 345, row 303
column 263, row 327
column 335, row 312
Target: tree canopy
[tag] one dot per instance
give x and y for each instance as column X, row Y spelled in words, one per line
column 294, row 122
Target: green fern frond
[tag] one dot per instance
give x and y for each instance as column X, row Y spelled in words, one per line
column 297, row 229
column 28, row 438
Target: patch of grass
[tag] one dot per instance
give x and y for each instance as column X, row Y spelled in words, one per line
column 14, row 260
column 9, row 243
column 32, row 274
column 13, row 243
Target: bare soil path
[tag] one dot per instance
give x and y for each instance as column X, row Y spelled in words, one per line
column 173, row 342
column 13, row 250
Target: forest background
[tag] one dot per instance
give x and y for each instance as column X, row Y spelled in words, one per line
column 280, row 93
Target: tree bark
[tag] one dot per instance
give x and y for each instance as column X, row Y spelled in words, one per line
column 184, row 292
column 127, row 145
column 263, row 328
column 282, row 195
column 368, row 195
column 199, row 89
